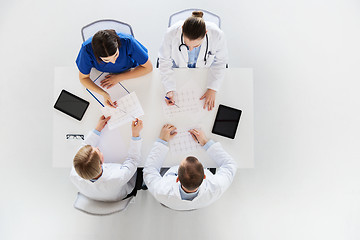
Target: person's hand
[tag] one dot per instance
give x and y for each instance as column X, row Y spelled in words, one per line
column 108, row 101
column 136, row 127
column 209, row 96
column 167, row 132
column 171, row 100
column 110, row 80
column 198, row 136
column 102, row 123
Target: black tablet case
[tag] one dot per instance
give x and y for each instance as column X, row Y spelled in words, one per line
column 226, row 121
column 71, row 105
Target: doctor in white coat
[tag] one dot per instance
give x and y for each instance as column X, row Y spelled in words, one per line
column 106, row 181
column 193, row 43
column 187, row 186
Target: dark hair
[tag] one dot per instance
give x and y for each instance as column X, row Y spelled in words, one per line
column 194, row 26
column 105, row 43
column 191, row 174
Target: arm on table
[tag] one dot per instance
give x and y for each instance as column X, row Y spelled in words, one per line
column 217, row 68
column 138, row 71
column 129, row 167
column 89, row 84
column 166, row 64
column 226, row 173
column 153, row 164
column 157, row 156
column 112, row 79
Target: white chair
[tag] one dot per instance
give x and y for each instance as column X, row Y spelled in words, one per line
column 92, row 28
column 184, row 14
column 100, row 208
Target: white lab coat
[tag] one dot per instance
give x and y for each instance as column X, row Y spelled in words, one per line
column 170, row 56
column 116, row 181
column 166, row 190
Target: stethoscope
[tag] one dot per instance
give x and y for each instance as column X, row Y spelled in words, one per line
column 207, row 44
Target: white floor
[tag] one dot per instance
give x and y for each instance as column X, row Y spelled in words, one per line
column 306, row 183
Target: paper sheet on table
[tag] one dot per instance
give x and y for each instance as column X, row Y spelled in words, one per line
column 188, row 100
column 115, row 92
column 183, row 142
column 128, row 108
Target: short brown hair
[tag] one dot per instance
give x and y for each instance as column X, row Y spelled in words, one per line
column 194, row 26
column 87, row 163
column 191, row 174
column 105, row 43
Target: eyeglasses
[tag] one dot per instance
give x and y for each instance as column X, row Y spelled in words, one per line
column 75, row 136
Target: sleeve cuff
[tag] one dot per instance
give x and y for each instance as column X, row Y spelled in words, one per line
column 208, row 144
column 136, row 138
column 162, row 141
column 96, row 132
column 216, row 89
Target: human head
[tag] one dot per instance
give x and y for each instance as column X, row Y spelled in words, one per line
column 194, row 30
column 105, row 44
column 191, row 173
column 88, row 161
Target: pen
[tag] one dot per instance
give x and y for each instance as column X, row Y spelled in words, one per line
column 171, row 101
column 195, row 138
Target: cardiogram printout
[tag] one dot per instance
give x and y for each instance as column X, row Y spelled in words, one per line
column 183, row 142
column 188, row 100
column 128, row 108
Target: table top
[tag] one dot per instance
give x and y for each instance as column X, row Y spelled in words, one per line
column 236, row 92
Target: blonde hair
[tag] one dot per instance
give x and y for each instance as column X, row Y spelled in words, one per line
column 87, row 163
column 194, row 26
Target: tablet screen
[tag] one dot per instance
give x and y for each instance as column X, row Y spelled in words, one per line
column 71, row 105
column 226, row 121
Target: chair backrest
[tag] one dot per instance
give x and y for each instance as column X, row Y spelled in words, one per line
column 184, row 14
column 100, row 208
column 92, row 28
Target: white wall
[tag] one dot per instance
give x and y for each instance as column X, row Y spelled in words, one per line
column 306, row 185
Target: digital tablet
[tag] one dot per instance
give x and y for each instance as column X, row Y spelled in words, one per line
column 226, row 121
column 71, row 105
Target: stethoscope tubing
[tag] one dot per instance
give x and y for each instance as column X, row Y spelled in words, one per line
column 207, row 45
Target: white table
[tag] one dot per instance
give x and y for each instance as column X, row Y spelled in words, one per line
column 237, row 92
